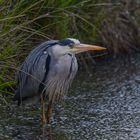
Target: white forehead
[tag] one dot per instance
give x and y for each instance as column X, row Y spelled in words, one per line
column 76, row 41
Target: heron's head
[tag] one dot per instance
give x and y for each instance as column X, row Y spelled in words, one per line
column 71, row 45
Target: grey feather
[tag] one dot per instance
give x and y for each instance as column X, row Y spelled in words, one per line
column 32, row 72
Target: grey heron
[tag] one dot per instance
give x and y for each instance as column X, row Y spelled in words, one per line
column 48, row 71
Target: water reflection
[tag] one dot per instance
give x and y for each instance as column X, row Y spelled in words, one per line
column 101, row 106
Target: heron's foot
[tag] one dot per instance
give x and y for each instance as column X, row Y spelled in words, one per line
column 47, row 126
column 47, row 132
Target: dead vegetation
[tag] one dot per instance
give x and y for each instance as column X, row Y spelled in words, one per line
column 120, row 30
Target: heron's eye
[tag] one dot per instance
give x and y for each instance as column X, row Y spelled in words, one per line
column 71, row 45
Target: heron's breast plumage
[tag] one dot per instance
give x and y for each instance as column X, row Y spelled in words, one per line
column 60, row 76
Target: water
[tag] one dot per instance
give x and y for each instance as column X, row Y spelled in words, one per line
column 104, row 105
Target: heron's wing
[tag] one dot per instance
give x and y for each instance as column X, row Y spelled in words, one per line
column 33, row 71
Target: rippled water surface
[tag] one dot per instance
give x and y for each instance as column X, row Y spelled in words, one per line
column 104, row 105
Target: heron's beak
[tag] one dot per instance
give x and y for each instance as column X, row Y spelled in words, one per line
column 86, row 47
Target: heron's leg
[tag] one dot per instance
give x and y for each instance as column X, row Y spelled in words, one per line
column 43, row 110
column 49, row 112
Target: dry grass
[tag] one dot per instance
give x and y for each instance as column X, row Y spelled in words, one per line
column 121, row 29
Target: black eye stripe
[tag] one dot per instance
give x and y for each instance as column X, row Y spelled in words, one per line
column 66, row 42
column 71, row 45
